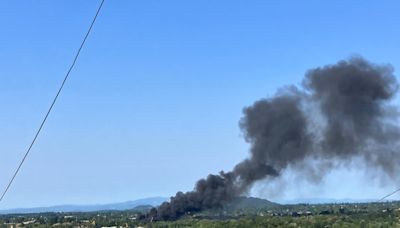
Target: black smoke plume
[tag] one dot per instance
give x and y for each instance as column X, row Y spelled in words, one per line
column 341, row 112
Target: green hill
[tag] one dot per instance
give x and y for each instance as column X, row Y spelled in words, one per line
column 241, row 206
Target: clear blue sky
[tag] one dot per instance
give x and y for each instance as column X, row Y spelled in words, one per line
column 154, row 101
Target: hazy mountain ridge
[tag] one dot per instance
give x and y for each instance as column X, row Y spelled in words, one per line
column 324, row 201
column 237, row 205
column 153, row 201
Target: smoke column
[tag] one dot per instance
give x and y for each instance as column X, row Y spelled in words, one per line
column 341, row 112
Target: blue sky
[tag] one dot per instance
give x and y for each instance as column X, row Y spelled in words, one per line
column 154, row 101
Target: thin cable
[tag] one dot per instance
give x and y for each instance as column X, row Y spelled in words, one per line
column 398, row 190
column 52, row 104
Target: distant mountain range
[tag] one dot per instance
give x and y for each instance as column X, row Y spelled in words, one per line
column 239, row 204
column 154, row 201
column 324, row 200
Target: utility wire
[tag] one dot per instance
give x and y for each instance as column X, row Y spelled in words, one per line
column 398, row 190
column 53, row 103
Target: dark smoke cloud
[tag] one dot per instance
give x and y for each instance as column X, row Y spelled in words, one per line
column 276, row 128
column 351, row 97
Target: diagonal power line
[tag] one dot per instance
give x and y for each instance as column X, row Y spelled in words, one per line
column 398, row 190
column 53, row 103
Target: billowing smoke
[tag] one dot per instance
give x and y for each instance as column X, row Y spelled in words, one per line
column 353, row 97
column 341, row 112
